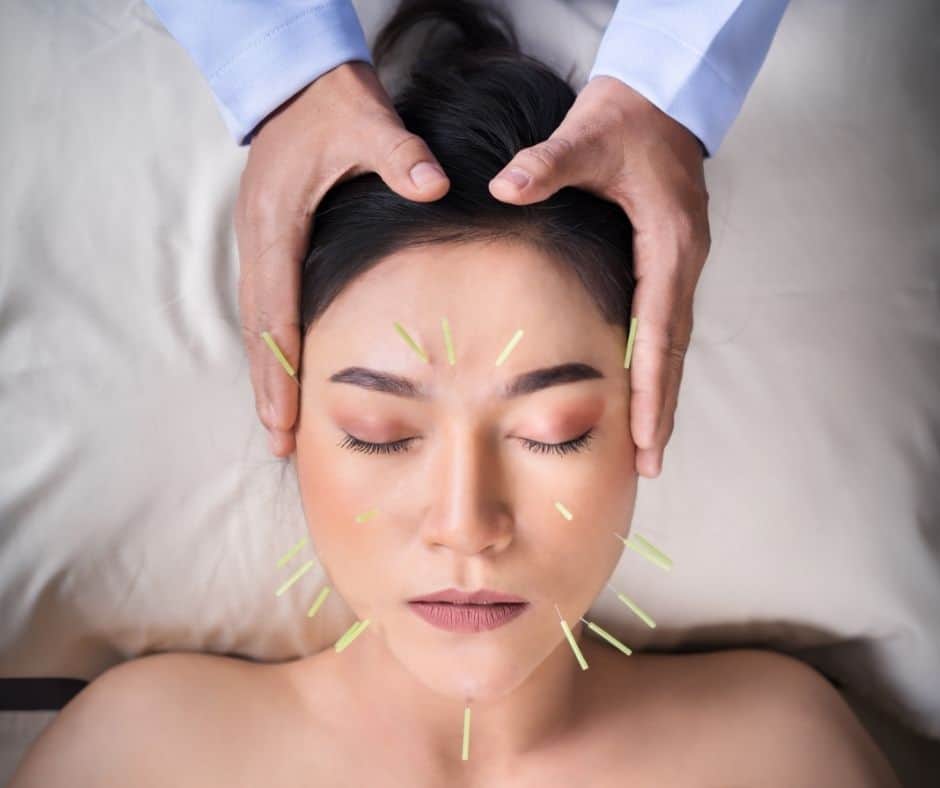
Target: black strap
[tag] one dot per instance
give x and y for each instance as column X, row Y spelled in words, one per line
column 38, row 694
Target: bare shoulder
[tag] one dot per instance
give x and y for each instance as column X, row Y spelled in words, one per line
column 787, row 725
column 130, row 724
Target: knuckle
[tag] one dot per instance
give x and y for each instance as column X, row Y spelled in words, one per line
column 678, row 340
column 257, row 211
column 261, row 410
column 550, row 154
column 677, row 354
column 691, row 230
column 250, row 334
column 668, row 425
column 705, row 242
column 403, row 146
column 685, row 227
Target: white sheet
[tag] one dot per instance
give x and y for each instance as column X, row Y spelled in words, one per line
column 140, row 509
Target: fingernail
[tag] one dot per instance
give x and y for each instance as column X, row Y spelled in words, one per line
column 271, row 444
column 424, row 174
column 518, row 178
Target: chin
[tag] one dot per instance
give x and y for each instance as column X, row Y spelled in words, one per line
column 477, row 686
column 480, row 673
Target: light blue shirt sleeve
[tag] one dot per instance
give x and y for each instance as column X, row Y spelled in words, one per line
column 694, row 59
column 256, row 54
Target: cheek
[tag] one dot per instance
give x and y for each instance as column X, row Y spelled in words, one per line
column 579, row 555
column 332, row 496
column 576, row 558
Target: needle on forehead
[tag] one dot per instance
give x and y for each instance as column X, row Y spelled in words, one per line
column 508, row 349
column 448, row 342
column 411, row 343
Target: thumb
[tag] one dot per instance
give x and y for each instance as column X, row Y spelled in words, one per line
column 408, row 168
column 537, row 172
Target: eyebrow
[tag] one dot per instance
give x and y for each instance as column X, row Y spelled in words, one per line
column 526, row 383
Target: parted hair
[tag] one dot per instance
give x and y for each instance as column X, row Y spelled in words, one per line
column 476, row 100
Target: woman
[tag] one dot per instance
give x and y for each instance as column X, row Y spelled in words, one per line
column 460, row 462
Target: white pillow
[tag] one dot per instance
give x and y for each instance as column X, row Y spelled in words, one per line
column 142, row 511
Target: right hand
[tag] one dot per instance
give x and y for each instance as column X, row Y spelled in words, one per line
column 341, row 125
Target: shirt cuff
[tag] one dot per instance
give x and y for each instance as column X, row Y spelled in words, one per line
column 674, row 77
column 281, row 62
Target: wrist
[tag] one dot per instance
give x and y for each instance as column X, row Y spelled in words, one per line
column 612, row 93
column 632, row 110
column 353, row 80
column 347, row 82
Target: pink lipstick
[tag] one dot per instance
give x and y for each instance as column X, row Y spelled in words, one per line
column 461, row 611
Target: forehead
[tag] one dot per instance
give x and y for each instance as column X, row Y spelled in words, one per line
column 485, row 290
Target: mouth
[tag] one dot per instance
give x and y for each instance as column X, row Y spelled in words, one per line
column 483, row 596
column 472, row 617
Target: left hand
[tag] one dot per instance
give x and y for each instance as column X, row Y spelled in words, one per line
column 615, row 143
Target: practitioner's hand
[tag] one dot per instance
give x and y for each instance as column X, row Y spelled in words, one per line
column 341, row 125
column 615, row 143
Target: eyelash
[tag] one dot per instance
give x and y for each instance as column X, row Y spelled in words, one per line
column 576, row 444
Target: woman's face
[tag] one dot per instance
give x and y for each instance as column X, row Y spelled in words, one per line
column 466, row 502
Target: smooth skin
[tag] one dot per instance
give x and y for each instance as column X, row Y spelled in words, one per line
column 744, row 718
column 466, row 503
column 613, row 142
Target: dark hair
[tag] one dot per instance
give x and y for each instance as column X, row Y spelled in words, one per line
column 476, row 100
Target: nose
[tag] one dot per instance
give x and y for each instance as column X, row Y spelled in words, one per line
column 469, row 513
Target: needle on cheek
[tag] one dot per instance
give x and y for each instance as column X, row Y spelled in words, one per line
column 285, row 559
column 652, row 554
column 350, row 635
column 366, row 516
column 318, row 602
column 634, row 607
column 608, row 637
column 571, row 641
column 293, row 578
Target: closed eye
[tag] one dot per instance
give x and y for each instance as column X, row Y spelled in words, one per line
column 576, row 444
column 375, row 448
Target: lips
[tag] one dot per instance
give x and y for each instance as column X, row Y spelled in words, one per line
column 484, row 596
column 468, row 618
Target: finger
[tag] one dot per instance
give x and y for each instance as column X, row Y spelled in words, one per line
column 408, row 167
column 282, row 444
column 537, row 172
column 663, row 307
column 649, row 461
column 270, row 254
